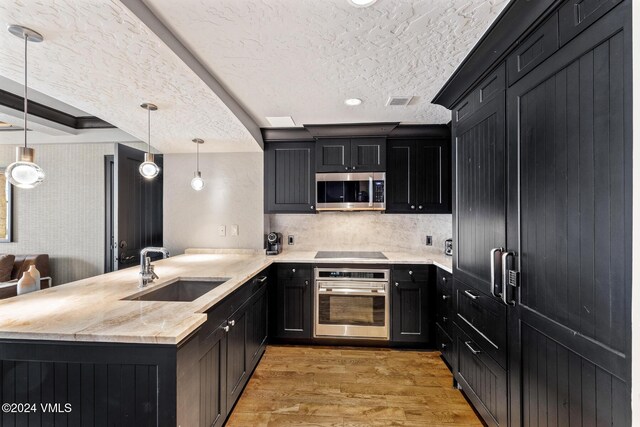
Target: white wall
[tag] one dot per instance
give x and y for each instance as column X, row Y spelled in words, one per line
column 233, row 194
column 64, row 216
column 363, row 231
column 635, row 269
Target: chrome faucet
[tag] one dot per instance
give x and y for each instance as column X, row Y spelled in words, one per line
column 147, row 275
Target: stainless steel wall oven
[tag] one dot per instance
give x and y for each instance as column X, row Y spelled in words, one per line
column 351, row 303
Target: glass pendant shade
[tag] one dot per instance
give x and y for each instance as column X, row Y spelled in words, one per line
column 148, row 169
column 197, row 183
column 24, row 173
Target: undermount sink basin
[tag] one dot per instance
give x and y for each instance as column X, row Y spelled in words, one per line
column 180, row 291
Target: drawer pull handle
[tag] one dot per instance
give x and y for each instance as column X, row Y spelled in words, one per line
column 445, row 297
column 261, row 279
column 293, row 270
column 397, row 284
column 232, row 322
column 470, row 295
column 473, row 350
column 410, row 273
column 444, row 280
column 225, row 328
column 306, row 282
column 444, row 319
column 443, row 346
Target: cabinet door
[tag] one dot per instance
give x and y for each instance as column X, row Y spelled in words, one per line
column 401, row 183
column 237, row 372
column 569, row 121
column 294, row 302
column 410, row 305
column 290, row 177
column 480, row 193
column 333, row 155
column 433, row 176
column 256, row 327
column 369, row 154
column 212, row 367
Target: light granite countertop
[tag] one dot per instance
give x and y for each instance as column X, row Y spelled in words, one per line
column 94, row 309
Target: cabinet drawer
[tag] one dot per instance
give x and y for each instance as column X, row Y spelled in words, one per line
column 412, row 273
column 294, row 271
column 444, row 279
column 535, row 49
column 484, row 319
column 576, row 15
column 482, row 379
column 445, row 345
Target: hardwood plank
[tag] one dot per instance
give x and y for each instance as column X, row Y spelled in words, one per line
column 306, row 386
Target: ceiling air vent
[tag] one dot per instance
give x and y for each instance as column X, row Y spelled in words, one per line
column 399, row 101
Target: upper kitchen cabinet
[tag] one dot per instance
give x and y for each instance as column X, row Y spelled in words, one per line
column 289, row 177
column 351, row 154
column 419, row 176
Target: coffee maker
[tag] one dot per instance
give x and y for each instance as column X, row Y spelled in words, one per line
column 274, row 243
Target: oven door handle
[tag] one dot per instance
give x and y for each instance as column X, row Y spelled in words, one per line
column 370, row 191
column 354, row 292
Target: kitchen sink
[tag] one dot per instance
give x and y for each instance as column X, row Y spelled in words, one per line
column 181, row 290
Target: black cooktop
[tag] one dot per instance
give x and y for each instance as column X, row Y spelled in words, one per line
column 350, row 255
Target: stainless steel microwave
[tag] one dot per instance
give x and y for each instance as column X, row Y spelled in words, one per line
column 361, row 191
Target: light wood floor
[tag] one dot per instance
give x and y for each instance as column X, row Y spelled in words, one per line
column 334, row 386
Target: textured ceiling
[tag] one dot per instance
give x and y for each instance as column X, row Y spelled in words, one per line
column 303, row 58
column 99, row 58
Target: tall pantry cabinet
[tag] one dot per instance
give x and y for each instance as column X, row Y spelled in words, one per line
column 542, row 216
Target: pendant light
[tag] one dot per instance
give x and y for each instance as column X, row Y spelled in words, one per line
column 24, row 173
column 148, row 169
column 197, row 183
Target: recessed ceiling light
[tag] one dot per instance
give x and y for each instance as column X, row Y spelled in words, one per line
column 5, row 125
column 362, row 3
column 352, row 102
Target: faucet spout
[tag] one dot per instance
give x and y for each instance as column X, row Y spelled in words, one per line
column 147, row 275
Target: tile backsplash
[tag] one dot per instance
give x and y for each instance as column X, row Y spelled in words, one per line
column 362, row 231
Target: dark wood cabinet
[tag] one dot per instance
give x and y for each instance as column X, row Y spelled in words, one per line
column 411, row 287
column 215, row 364
column 419, row 176
column 257, row 326
column 289, row 177
column 569, row 121
column 351, row 154
column 210, row 375
column 445, row 312
column 482, row 379
column 542, row 175
column 294, row 301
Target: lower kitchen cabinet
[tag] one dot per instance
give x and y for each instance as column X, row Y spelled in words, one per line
column 214, row 365
column 482, row 379
column 293, row 303
column 410, row 313
column 444, row 316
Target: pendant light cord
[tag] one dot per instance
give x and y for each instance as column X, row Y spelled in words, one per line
column 148, row 130
column 197, row 157
column 26, row 41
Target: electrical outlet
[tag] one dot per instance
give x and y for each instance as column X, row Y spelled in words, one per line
column 429, row 241
column 290, row 239
column 222, row 230
column 234, row 230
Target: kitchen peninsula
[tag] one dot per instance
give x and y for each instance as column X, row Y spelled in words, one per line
column 123, row 361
